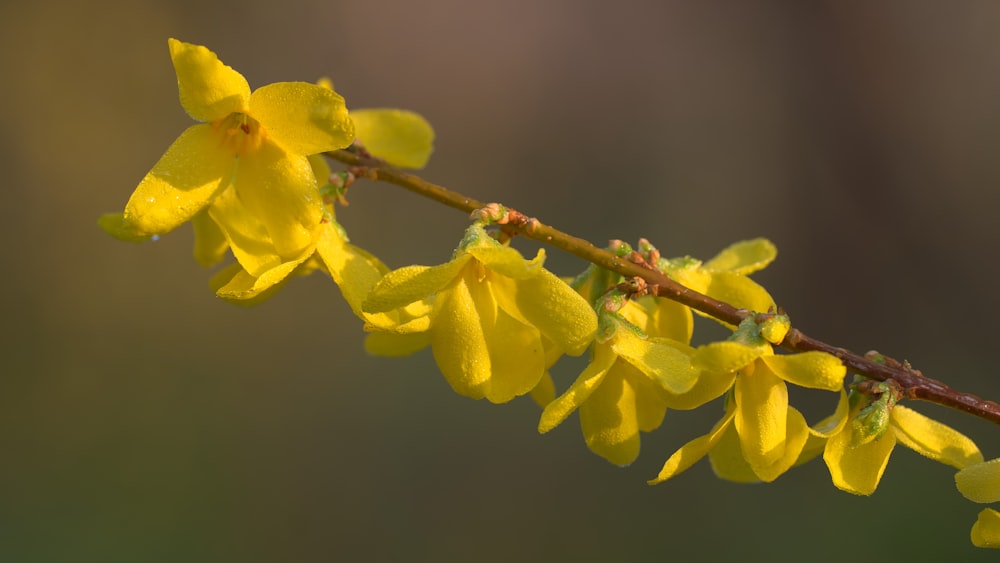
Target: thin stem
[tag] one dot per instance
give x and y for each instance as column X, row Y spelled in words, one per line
column 914, row 384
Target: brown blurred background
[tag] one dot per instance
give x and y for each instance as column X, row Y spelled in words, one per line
column 142, row 419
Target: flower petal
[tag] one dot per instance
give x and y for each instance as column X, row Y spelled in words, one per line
column 728, row 461
column 815, row 370
column 932, row 439
column 591, row 377
column 858, row 469
column 761, row 415
column 986, row 530
column 980, row 482
column 744, row 257
column 412, row 283
column 517, row 359
column 739, row 291
column 795, row 439
column 609, row 420
column 548, row 303
column 709, row 385
column 209, row 89
column 691, row 452
column 824, row 429
column 115, row 225
column 725, row 356
column 280, row 190
column 668, row 366
column 502, row 259
column 210, row 242
column 243, row 286
column 458, row 342
column 303, row 118
column 401, row 138
column 247, row 237
column 185, row 180
column 354, row 270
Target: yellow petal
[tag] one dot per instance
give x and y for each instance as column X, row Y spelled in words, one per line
column 504, row 260
column 609, row 420
column 210, row 242
column 739, row 291
column 932, row 439
column 726, row 356
column 815, row 370
column 517, row 359
column 458, row 343
column 591, row 377
column 185, row 180
column 744, row 257
column 858, row 469
column 243, row 286
column 728, row 461
column 412, row 283
column 980, row 482
column 668, row 366
column 303, row 118
column 986, row 530
column 280, row 190
column 114, row 224
column 761, row 415
column 401, row 138
column 247, row 237
column 795, row 439
column 209, row 89
column 548, row 303
column 691, row 452
column 709, row 385
column 354, row 270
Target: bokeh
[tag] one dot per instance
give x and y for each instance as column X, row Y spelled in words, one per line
column 142, row 419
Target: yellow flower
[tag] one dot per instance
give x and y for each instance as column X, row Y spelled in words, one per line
column 980, row 482
column 857, row 455
column 770, row 433
column 490, row 314
column 625, row 388
column 250, row 151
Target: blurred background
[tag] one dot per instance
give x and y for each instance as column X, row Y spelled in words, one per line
column 142, row 419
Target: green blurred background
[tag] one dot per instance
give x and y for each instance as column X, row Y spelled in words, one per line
column 142, row 419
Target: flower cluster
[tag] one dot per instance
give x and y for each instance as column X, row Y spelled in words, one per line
column 251, row 178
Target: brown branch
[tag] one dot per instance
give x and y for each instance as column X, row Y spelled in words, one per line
column 914, row 384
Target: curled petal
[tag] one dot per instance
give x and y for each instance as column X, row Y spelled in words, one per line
column 209, row 89
column 691, row 452
column 858, row 469
column 739, row 291
column 394, row 345
column 709, row 385
column 412, row 283
column 986, row 530
column 303, row 118
column 668, row 366
column 246, row 236
column 591, row 377
column 243, row 286
column 504, row 260
column 182, row 183
column 932, row 439
column 354, row 270
column 815, row 370
column 115, row 225
column 401, row 138
column 824, row 429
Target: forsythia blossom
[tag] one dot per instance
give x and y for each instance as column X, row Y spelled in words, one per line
column 491, row 313
column 253, row 146
column 858, row 454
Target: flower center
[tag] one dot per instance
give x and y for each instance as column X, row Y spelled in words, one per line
column 239, row 132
